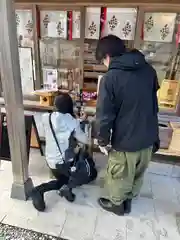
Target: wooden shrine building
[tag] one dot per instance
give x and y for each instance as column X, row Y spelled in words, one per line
column 52, row 43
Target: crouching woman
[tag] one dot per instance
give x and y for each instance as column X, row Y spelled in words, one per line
column 63, row 133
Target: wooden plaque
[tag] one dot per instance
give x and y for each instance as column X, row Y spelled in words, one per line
column 168, row 93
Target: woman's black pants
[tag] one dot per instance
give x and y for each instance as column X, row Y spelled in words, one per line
column 61, row 179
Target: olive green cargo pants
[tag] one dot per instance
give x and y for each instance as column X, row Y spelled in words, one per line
column 125, row 172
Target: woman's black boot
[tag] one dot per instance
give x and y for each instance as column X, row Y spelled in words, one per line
column 38, row 200
column 66, row 192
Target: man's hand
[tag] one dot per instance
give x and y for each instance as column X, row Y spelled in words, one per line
column 105, row 150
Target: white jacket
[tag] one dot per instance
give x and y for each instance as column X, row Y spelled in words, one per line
column 63, row 125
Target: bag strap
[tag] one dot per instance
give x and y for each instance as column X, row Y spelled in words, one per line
column 54, row 135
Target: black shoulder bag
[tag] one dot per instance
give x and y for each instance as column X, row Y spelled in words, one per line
column 82, row 171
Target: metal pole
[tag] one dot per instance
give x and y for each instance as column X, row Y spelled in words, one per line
column 11, row 83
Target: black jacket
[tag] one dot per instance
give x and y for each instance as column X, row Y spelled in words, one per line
column 127, row 104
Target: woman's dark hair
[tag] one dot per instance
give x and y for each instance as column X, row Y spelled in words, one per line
column 110, row 45
column 64, row 104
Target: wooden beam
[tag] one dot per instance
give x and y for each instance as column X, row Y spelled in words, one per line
column 114, row 3
column 81, row 42
column 11, row 83
column 38, row 71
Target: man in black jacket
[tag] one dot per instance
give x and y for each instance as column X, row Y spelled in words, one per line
column 127, row 119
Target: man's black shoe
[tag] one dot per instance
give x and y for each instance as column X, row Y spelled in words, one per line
column 67, row 193
column 110, row 207
column 127, row 206
column 38, row 200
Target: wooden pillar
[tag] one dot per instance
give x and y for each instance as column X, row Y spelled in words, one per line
column 138, row 32
column 38, row 72
column 81, row 42
column 11, row 83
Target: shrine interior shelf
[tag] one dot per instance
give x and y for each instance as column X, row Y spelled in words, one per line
column 59, row 43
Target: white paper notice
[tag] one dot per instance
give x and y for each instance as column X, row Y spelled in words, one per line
column 26, row 68
column 52, row 79
column 52, row 29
